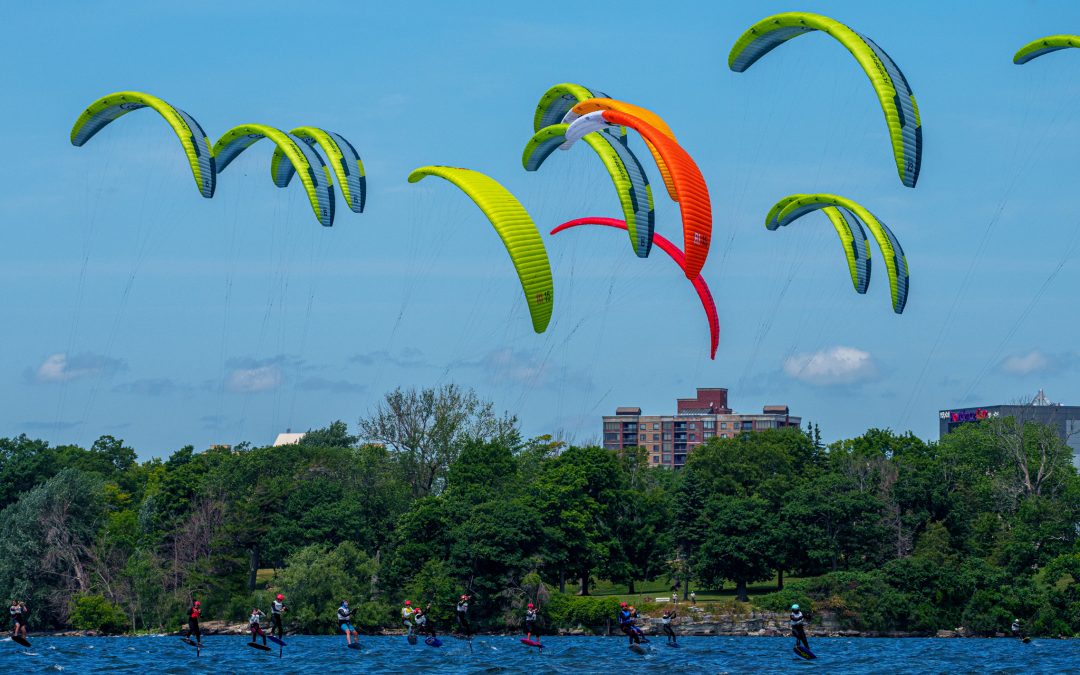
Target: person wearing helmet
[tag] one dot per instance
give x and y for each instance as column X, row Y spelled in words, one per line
column 193, row 613
column 407, row 615
column 424, row 625
column 1016, row 631
column 462, row 612
column 277, row 608
column 255, row 625
column 626, row 621
column 344, row 620
column 530, row 622
column 798, row 627
column 19, row 614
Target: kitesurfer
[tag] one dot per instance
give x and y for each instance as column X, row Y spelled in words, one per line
column 530, row 622
column 194, row 612
column 344, row 620
column 798, row 622
column 255, row 624
column 19, row 615
column 665, row 621
column 1017, row 633
column 277, row 608
column 407, row 613
column 626, row 623
column 422, row 624
column 462, row 612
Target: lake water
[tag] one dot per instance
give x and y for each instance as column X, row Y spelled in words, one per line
column 230, row 654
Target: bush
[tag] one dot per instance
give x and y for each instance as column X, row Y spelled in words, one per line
column 781, row 601
column 94, row 612
column 572, row 611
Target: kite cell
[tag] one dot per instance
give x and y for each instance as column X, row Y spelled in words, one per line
column 627, row 174
column 672, row 250
column 193, row 139
column 791, row 208
column 890, row 85
column 313, row 172
column 515, row 228
column 691, row 191
column 1050, row 43
column 342, row 157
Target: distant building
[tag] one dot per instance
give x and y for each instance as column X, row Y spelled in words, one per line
column 670, row 438
column 288, row 438
column 1065, row 419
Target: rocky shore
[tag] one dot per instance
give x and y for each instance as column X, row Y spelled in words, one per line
column 699, row 624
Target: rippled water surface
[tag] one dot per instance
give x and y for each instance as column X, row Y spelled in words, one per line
column 228, row 654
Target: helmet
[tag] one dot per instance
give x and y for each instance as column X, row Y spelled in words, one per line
column 622, row 604
column 464, row 597
column 196, row 603
column 794, row 607
column 280, row 596
column 530, row 605
column 407, row 602
column 344, row 602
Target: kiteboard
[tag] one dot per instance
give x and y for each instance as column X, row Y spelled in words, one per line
column 531, row 643
column 803, row 652
column 433, row 642
column 18, row 639
column 637, row 649
column 276, row 640
column 354, row 645
column 673, row 644
column 190, row 642
column 1025, row 640
column 260, row 647
column 412, row 639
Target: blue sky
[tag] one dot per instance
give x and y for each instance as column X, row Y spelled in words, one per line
column 137, row 308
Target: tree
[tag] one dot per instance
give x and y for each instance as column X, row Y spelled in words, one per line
column 740, row 544
column 426, row 429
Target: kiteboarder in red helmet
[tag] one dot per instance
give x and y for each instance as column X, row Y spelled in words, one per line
column 194, row 612
column 530, row 622
column 277, row 608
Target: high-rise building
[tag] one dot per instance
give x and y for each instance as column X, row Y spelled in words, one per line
column 1064, row 419
column 670, row 438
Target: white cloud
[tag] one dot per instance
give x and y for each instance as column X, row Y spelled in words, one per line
column 254, row 379
column 833, row 365
column 60, row 367
column 1033, row 362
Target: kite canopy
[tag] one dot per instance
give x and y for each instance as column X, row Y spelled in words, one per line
column 851, row 233
column 672, row 250
column 791, row 208
column 515, row 228
column 627, row 174
column 1050, row 43
column 192, row 137
column 691, row 191
column 313, row 172
column 343, row 159
column 890, row 85
column 647, row 116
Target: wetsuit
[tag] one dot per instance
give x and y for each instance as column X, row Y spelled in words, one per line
column 462, row 617
column 18, row 619
column 530, row 622
column 254, row 623
column 797, row 627
column 277, row 607
column 626, row 624
column 665, row 621
column 193, row 624
column 1016, row 630
column 423, row 626
column 344, row 620
column 407, row 619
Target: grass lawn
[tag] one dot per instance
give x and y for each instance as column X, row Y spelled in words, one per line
column 263, row 576
column 651, row 590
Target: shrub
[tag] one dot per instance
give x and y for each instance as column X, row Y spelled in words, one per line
column 571, row 611
column 94, row 612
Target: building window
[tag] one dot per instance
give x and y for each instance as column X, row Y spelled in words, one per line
column 693, row 437
column 667, row 459
column 667, row 436
column 611, row 426
column 708, row 424
column 656, row 437
column 656, row 448
column 611, row 437
column 655, row 426
column 708, row 434
column 748, row 426
column 641, row 427
column 723, row 425
column 693, row 425
column 656, row 459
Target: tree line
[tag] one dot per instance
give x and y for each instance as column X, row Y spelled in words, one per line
column 436, row 495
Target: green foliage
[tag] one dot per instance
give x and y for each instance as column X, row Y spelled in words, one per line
column 580, row 611
column 94, row 612
column 436, row 495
